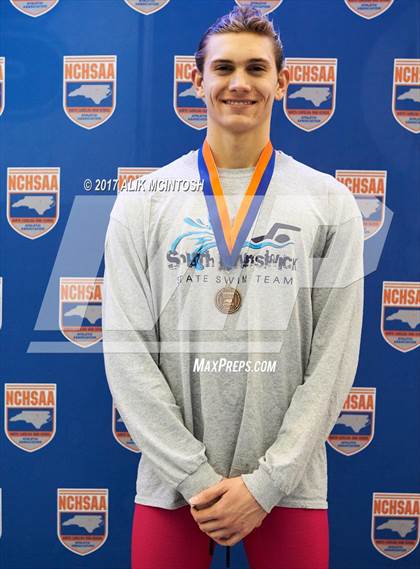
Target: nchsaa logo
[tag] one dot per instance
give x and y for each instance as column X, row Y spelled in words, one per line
column 146, row 7
column 369, row 189
column 81, row 310
column 395, row 523
column 406, row 93
column 34, row 8
column 355, row 426
column 400, row 315
column 82, row 518
column 120, row 431
column 265, row 6
column 310, row 99
column 369, row 8
column 30, row 414
column 89, row 88
column 126, row 177
column 33, row 200
column 2, row 84
column 188, row 107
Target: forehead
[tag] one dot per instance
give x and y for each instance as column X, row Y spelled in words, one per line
column 239, row 47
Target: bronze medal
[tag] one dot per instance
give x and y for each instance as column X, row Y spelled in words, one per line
column 228, row 300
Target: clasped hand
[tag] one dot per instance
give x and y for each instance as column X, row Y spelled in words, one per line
column 227, row 511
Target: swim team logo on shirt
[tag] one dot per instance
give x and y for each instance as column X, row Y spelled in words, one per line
column 202, row 239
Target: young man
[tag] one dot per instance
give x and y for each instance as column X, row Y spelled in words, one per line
column 200, row 294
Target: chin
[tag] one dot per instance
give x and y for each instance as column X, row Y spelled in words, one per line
column 240, row 128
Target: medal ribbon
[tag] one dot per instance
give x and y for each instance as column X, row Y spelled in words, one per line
column 229, row 239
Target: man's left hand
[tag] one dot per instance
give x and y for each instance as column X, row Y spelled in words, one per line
column 233, row 516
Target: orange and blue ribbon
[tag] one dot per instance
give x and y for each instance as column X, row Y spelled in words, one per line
column 230, row 239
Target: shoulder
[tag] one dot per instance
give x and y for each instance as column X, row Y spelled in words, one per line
column 341, row 203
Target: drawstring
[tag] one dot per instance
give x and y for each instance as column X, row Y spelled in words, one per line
column 228, row 556
column 211, row 548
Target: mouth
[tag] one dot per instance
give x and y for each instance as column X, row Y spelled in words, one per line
column 239, row 102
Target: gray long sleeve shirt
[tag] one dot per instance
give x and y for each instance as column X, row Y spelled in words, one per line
column 168, row 348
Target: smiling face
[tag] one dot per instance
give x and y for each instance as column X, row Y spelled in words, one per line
column 240, row 82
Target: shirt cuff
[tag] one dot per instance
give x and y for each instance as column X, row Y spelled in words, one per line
column 200, row 480
column 263, row 489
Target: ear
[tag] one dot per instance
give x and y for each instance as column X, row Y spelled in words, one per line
column 283, row 81
column 197, row 80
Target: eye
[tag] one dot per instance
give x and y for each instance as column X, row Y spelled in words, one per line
column 253, row 68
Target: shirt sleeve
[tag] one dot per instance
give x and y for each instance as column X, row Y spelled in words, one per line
column 140, row 391
column 337, row 306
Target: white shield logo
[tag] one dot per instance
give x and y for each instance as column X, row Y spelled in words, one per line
column 89, row 88
column 310, row 99
column 369, row 189
column 30, row 414
column 33, row 200
column 406, row 93
column 188, row 107
column 395, row 523
column 355, row 426
column 369, row 8
column 81, row 310
column 400, row 315
column 34, row 8
column 265, row 6
column 82, row 518
column 146, row 7
column 128, row 177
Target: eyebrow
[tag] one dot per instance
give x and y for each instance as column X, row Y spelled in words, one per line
column 254, row 60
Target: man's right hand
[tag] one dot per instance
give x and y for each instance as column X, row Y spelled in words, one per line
column 208, row 504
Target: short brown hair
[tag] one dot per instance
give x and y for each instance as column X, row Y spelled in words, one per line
column 241, row 19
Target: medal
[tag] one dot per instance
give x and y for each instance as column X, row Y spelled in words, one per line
column 230, row 239
column 228, row 300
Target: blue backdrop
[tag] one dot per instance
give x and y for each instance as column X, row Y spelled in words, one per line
column 96, row 92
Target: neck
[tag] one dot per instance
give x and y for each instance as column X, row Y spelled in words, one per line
column 232, row 150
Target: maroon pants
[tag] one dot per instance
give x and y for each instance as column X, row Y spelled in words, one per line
column 288, row 538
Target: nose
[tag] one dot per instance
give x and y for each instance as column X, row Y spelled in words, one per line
column 239, row 81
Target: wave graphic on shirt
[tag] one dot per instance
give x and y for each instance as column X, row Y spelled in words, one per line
column 205, row 240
